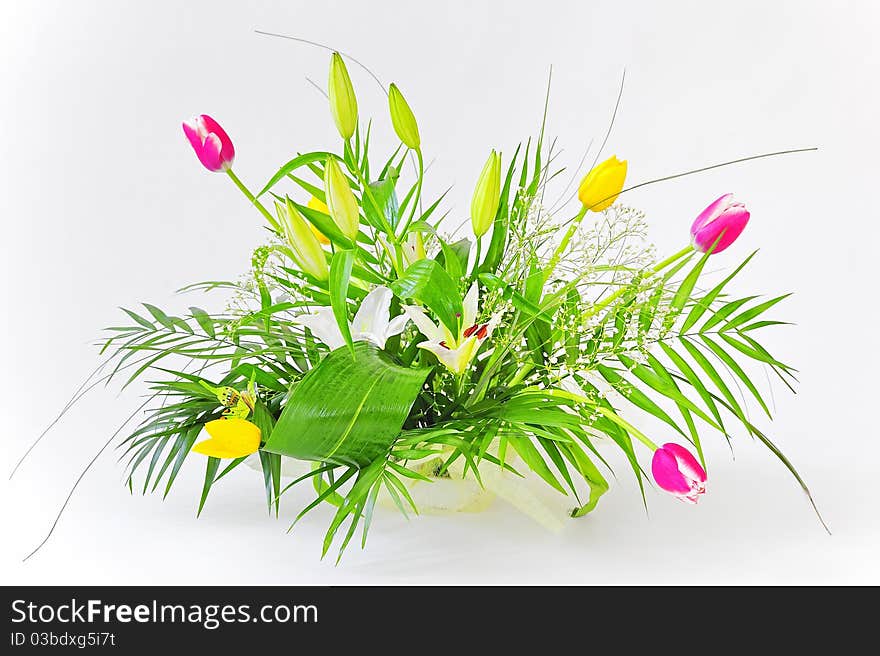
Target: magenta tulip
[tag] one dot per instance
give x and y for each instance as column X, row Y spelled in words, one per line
column 211, row 143
column 724, row 219
column 678, row 472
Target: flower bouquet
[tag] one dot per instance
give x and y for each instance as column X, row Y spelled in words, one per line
column 384, row 354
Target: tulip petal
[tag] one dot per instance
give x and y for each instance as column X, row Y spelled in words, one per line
column 664, row 467
column 711, row 212
column 725, row 229
column 230, row 438
column 687, row 464
column 227, row 150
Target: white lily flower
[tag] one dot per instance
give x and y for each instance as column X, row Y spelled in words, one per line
column 454, row 351
column 372, row 322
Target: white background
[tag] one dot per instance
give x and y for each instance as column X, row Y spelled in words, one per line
column 103, row 204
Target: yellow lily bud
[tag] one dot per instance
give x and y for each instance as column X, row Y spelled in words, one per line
column 306, row 250
column 487, row 193
column 318, row 205
column 402, row 119
column 601, row 186
column 343, row 103
column 230, row 438
column 341, row 202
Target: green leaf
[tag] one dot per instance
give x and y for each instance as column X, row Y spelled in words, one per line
column 347, row 410
column 340, row 273
column 160, row 316
column 737, row 370
column 427, row 282
column 724, row 312
column 685, row 289
column 636, row 396
column 139, row 319
column 385, row 210
column 752, row 313
column 291, row 166
column 210, row 475
column 706, row 302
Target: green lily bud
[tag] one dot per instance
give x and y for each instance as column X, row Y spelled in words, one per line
column 306, row 249
column 340, row 199
column 343, row 103
column 487, row 193
column 402, row 119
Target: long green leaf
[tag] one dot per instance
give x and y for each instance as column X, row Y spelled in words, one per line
column 347, row 410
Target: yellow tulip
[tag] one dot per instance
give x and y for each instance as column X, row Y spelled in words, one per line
column 303, row 243
column 343, row 103
column 484, row 204
column 319, row 206
column 341, row 202
column 230, row 438
column 601, row 186
column 402, row 119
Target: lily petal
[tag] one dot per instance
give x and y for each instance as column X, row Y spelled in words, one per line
column 323, row 325
column 397, row 325
column 457, row 359
column 230, row 438
column 372, row 315
column 427, row 327
column 471, row 301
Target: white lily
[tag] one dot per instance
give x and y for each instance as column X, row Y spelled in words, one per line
column 372, row 322
column 454, row 351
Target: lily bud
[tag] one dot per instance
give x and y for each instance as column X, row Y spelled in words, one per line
column 402, row 119
column 487, row 193
column 601, row 186
column 320, row 206
column 723, row 221
column 677, row 471
column 343, row 103
column 212, row 145
column 302, row 241
column 341, row 202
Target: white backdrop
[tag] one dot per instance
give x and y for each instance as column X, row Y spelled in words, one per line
column 104, row 204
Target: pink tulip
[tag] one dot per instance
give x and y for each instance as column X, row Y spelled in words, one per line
column 211, row 143
column 726, row 216
column 678, row 472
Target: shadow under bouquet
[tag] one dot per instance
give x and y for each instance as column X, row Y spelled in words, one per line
column 384, row 355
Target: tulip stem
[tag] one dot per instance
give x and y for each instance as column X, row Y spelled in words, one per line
column 253, row 200
column 672, row 258
column 575, row 222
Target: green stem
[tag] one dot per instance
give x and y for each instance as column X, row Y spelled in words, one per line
column 253, row 200
column 604, row 303
column 521, row 373
column 417, row 196
column 575, row 222
column 672, row 258
column 477, row 258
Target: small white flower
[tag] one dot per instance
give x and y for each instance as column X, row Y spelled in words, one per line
column 371, row 323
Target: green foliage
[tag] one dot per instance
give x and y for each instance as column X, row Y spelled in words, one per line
column 584, row 346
